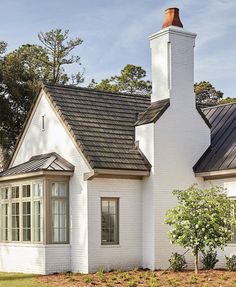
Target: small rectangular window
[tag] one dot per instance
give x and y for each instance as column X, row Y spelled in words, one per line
column 110, row 220
column 43, row 123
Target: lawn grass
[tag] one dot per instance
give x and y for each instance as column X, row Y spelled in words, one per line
column 20, row 280
column 144, row 278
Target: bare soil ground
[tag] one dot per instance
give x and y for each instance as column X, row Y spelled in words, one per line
column 143, row 278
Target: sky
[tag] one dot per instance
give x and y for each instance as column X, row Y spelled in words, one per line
column 115, row 33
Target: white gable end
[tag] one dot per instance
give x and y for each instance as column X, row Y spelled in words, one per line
column 52, row 137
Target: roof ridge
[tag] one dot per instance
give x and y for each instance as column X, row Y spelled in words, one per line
column 94, row 90
column 43, row 156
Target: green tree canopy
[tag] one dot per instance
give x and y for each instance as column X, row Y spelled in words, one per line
column 202, row 219
column 22, row 73
column 58, row 48
column 23, row 70
column 130, row 80
column 206, row 93
column 3, row 46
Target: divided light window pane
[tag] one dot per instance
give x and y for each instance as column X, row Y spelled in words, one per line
column 15, row 221
column 59, row 189
column 59, row 212
column 15, row 192
column 4, row 226
column 38, row 230
column 26, row 221
column 4, row 193
column 38, row 189
column 26, row 190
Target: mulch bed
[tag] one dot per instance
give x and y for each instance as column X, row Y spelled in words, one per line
column 144, row 278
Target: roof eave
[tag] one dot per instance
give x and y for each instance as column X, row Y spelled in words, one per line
column 116, row 173
column 216, row 174
column 38, row 173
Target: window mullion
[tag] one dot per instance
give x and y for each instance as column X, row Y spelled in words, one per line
column 32, row 239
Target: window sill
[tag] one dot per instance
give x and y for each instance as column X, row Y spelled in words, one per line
column 21, row 244
column 111, row 246
column 40, row 245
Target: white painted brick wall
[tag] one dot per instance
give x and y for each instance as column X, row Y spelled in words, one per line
column 128, row 253
column 177, row 140
column 56, row 139
column 184, row 138
column 24, row 258
column 58, row 258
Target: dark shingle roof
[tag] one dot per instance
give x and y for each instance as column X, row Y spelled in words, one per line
column 153, row 112
column 221, row 155
column 102, row 124
column 49, row 161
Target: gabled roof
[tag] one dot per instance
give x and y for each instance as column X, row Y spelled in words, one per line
column 221, row 155
column 43, row 162
column 102, row 124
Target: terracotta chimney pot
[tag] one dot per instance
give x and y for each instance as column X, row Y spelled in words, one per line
column 172, row 18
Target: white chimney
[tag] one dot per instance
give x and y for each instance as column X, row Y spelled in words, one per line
column 173, row 62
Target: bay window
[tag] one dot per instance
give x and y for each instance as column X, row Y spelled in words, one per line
column 35, row 211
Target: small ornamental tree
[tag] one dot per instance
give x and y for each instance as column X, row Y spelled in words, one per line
column 203, row 218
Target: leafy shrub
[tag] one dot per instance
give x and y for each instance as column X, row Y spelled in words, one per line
column 88, row 280
column 209, row 259
column 231, row 263
column 177, row 262
column 153, row 282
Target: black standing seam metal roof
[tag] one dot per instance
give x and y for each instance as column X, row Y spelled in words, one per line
column 50, row 161
column 221, row 155
column 102, row 124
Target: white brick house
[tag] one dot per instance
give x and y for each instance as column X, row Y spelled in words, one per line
column 93, row 172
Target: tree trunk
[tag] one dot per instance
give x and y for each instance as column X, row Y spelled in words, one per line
column 196, row 261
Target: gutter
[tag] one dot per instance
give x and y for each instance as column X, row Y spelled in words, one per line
column 116, row 173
